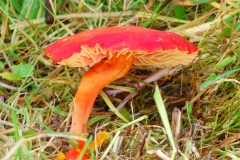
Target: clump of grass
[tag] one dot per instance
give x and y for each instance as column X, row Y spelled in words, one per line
column 203, row 98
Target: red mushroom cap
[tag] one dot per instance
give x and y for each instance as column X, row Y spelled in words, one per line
column 149, row 47
column 73, row 154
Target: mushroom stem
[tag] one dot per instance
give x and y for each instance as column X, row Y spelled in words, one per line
column 93, row 81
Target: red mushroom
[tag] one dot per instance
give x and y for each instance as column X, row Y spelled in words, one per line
column 111, row 52
column 74, row 153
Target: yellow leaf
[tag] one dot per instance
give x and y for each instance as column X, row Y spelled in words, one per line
column 100, row 139
column 60, row 156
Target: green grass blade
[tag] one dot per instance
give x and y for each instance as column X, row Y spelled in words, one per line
column 227, row 60
column 163, row 114
column 111, row 106
column 209, row 82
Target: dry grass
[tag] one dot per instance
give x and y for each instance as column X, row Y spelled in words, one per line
column 202, row 100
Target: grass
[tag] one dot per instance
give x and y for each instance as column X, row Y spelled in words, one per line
column 201, row 100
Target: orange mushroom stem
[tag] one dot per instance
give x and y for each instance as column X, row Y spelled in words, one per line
column 92, row 83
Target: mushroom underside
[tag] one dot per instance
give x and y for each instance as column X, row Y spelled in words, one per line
column 159, row 59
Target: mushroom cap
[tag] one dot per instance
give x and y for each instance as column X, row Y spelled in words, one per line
column 159, row 49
